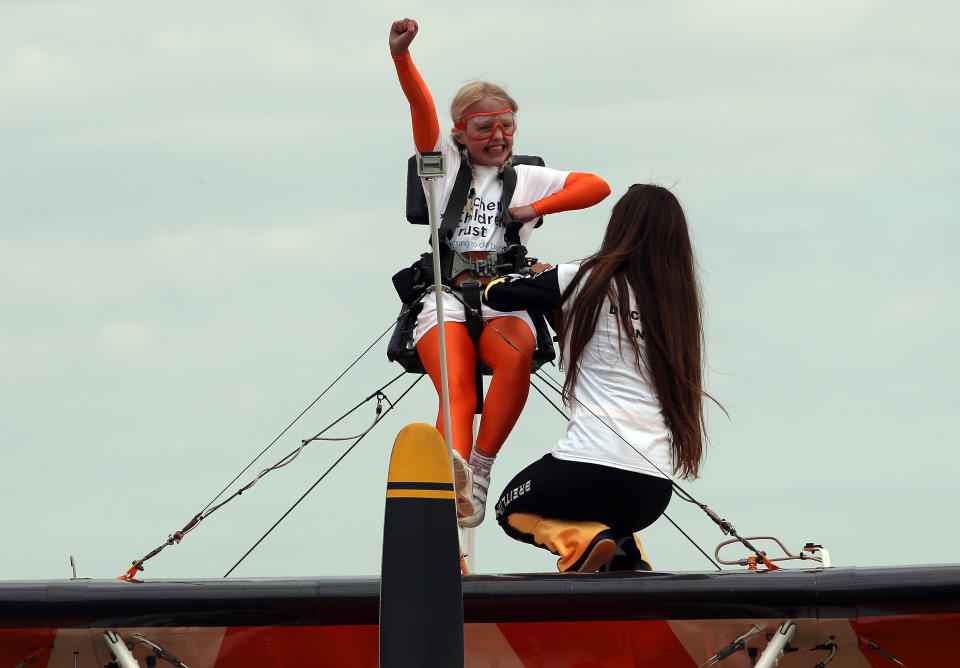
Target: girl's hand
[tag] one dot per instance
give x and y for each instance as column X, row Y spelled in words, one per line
column 402, row 33
column 523, row 213
column 540, row 267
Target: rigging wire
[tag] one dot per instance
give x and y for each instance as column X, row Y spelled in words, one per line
column 325, row 473
column 693, row 542
column 378, row 395
column 177, row 536
column 548, row 400
column 309, row 406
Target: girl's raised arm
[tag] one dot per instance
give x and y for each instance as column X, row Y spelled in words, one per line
column 426, row 127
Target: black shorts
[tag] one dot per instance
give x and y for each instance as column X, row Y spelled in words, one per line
column 626, row 501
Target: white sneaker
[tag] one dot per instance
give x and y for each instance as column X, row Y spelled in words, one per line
column 463, row 486
column 481, row 483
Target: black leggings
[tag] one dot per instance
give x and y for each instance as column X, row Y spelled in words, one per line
column 553, row 488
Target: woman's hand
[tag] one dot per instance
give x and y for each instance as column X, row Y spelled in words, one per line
column 523, row 213
column 540, row 267
column 402, row 33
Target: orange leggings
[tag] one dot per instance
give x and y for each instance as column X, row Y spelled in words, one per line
column 508, row 388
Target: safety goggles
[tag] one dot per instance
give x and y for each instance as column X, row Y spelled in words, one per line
column 482, row 125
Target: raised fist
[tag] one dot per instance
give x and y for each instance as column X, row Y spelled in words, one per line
column 402, row 33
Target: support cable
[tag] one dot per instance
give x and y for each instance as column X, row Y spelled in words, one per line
column 378, row 395
column 549, row 401
column 320, row 479
column 309, row 406
column 692, row 542
column 177, row 536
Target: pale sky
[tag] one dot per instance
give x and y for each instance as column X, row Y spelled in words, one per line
column 201, row 206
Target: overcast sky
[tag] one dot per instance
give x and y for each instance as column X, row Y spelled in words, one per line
column 201, row 206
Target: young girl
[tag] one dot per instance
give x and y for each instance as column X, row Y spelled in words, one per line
column 485, row 120
column 630, row 337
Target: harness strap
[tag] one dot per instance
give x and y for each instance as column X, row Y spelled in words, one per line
column 512, row 233
column 458, row 200
column 472, row 291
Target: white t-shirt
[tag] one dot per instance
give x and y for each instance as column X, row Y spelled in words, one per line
column 484, row 231
column 610, row 385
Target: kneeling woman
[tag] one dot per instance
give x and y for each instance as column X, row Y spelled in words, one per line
column 628, row 319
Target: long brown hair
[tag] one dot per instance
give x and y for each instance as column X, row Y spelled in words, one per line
column 646, row 252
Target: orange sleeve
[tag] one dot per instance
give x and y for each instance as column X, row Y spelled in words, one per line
column 579, row 191
column 426, row 127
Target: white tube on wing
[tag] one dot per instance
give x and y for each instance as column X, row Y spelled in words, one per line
column 774, row 651
column 119, row 650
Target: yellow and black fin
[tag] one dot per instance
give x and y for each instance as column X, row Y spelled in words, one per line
column 421, row 594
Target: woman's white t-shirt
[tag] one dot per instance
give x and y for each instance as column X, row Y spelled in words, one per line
column 621, row 402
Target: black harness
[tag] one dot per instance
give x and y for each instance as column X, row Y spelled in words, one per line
column 512, row 258
column 412, row 282
column 453, row 263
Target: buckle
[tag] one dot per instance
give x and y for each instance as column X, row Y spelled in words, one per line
column 486, row 266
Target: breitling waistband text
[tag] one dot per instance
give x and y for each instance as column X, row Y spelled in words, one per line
column 510, row 495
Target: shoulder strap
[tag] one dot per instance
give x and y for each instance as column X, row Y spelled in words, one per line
column 512, row 234
column 458, row 200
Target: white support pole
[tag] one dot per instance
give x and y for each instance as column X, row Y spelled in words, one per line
column 438, row 294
